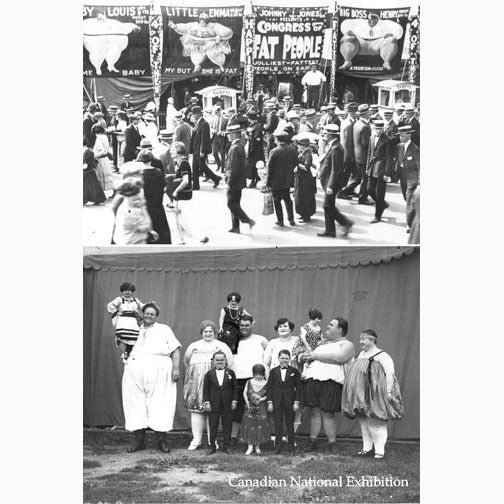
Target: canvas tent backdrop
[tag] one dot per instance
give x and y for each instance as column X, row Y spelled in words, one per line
column 374, row 288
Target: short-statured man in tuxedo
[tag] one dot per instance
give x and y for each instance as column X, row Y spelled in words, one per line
column 220, row 397
column 331, row 174
column 283, row 392
column 201, row 146
column 236, row 178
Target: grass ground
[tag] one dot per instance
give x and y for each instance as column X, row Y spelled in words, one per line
column 112, row 475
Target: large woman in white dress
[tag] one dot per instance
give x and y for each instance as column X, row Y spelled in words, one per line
column 198, row 361
column 149, row 389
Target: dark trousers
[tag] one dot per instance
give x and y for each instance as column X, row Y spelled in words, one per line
column 376, row 189
column 331, row 214
column 348, row 169
column 237, row 414
column 200, row 167
column 113, row 141
column 227, row 423
column 312, row 96
column 219, row 151
column 278, row 196
column 359, row 176
column 279, row 414
column 237, row 213
column 410, row 189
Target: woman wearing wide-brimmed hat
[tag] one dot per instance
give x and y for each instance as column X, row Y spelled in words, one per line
column 305, row 186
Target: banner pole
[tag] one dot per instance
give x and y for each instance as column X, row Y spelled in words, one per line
column 155, row 39
column 248, row 40
column 413, row 47
column 334, row 49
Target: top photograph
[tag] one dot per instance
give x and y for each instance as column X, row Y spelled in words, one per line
column 251, row 123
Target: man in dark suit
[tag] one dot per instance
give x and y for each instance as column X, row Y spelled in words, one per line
column 132, row 139
column 236, row 178
column 331, row 174
column 270, row 126
column 182, row 131
column 88, row 123
column 126, row 104
column 379, row 168
column 361, row 135
column 201, row 146
column 408, row 167
column 255, row 150
column 411, row 120
column 281, row 164
column 347, row 142
column 283, row 392
column 220, row 397
column 219, row 141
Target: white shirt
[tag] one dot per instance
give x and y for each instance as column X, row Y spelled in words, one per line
column 220, row 376
column 406, row 145
column 250, row 352
column 157, row 339
column 324, row 371
column 283, row 372
column 313, row 78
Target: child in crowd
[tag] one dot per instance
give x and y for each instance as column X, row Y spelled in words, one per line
column 126, row 312
column 229, row 321
column 132, row 222
column 220, row 397
column 255, row 423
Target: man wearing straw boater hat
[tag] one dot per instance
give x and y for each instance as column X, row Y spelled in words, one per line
column 182, row 131
column 408, row 167
column 380, row 166
column 236, row 178
column 331, row 175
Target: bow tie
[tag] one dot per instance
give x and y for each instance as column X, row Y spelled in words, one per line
column 283, row 367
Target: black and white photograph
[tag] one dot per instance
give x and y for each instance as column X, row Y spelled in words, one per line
column 258, row 375
column 251, row 259
column 255, row 124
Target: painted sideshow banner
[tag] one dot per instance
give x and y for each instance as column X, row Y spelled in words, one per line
column 201, row 41
column 288, row 39
column 116, row 41
column 371, row 40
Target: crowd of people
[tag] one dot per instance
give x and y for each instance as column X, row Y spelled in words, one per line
column 253, row 385
column 269, row 144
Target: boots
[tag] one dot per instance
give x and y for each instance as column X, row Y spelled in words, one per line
column 161, row 443
column 139, row 443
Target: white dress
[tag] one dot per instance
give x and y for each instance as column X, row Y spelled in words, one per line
column 104, row 166
column 149, row 394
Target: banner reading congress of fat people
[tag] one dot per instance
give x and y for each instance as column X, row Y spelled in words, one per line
column 288, row 39
column 201, row 41
column 116, row 41
column 371, row 40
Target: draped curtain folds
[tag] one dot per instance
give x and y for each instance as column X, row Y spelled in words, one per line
column 374, row 288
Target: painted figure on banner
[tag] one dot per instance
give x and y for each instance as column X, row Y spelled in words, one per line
column 204, row 39
column 369, row 37
column 105, row 39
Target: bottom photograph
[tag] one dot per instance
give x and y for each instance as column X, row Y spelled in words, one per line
column 251, row 375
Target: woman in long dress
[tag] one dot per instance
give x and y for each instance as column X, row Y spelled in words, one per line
column 153, row 187
column 371, row 394
column 149, row 389
column 103, row 154
column 198, row 361
column 305, row 186
column 92, row 191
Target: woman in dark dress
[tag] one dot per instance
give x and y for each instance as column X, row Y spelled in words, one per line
column 305, row 186
column 92, row 189
column 154, row 183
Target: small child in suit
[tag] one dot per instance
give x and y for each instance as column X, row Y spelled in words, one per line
column 220, row 397
column 283, row 392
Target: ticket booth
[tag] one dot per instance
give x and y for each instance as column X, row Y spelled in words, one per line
column 394, row 93
column 226, row 94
